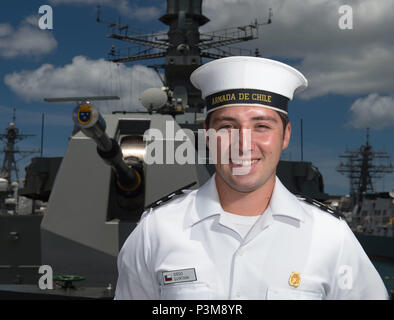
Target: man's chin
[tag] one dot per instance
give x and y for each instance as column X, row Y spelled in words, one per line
column 244, row 186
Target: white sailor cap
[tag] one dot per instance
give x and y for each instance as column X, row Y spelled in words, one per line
column 234, row 81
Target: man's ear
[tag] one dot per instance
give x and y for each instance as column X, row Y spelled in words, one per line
column 286, row 136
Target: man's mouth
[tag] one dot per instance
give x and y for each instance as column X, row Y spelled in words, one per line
column 240, row 162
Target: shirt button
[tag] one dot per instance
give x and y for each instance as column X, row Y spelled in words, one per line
column 240, row 252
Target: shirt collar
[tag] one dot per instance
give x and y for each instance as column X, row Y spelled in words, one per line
column 284, row 203
column 207, row 202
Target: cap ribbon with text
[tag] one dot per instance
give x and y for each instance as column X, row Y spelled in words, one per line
column 247, row 96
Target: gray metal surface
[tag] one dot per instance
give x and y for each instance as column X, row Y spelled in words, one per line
column 32, row 292
column 20, row 253
column 78, row 201
column 66, row 256
column 40, row 176
column 302, row 178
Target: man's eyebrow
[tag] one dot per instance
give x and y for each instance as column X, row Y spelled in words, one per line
column 265, row 118
column 218, row 119
column 258, row 118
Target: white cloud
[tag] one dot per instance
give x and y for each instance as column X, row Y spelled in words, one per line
column 374, row 111
column 145, row 13
column 123, row 6
column 26, row 40
column 5, row 29
column 85, row 77
column 350, row 62
column 368, row 70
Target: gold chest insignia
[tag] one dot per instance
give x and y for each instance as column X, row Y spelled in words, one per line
column 295, row 279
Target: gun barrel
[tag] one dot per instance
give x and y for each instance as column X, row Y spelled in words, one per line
column 92, row 124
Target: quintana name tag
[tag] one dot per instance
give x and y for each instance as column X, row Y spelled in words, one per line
column 176, row 276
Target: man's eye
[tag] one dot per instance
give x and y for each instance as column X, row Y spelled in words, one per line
column 226, row 126
column 264, row 126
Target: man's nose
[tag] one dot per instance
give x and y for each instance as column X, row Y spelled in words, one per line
column 245, row 140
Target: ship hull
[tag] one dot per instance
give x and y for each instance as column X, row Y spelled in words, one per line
column 377, row 247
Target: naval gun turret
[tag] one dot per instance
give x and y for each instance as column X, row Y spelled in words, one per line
column 94, row 206
column 128, row 170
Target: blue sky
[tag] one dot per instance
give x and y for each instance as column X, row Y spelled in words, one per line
column 350, row 72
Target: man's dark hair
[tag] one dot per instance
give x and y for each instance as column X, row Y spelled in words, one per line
column 285, row 120
column 283, row 117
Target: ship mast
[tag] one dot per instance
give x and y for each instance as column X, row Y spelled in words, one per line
column 9, row 167
column 10, row 138
column 361, row 169
column 183, row 47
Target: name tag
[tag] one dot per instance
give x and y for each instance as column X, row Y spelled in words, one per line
column 184, row 275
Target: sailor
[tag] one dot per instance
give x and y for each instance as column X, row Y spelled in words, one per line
column 245, row 236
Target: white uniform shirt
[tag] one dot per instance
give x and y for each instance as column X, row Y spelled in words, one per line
column 187, row 236
column 238, row 223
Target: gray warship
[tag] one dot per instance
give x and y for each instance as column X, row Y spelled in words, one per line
column 370, row 214
column 92, row 205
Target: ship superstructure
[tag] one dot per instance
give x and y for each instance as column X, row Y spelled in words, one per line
column 9, row 174
column 183, row 47
column 372, row 212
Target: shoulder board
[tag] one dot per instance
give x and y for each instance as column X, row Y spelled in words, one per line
column 321, row 206
column 169, row 196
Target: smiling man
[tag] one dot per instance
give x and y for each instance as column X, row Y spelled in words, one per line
column 243, row 235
